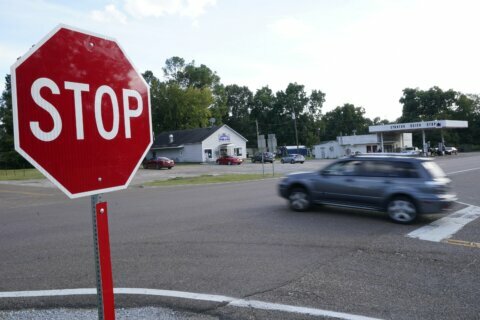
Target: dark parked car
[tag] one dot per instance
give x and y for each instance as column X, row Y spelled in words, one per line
column 229, row 160
column 293, row 158
column 159, row 163
column 267, row 157
column 403, row 187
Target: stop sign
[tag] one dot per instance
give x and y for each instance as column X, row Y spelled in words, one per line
column 81, row 112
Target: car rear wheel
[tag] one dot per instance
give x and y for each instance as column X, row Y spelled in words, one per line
column 402, row 210
column 292, row 162
column 299, row 199
column 229, row 163
column 282, row 161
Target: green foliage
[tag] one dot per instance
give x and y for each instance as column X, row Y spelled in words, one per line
column 345, row 120
column 9, row 158
column 203, row 179
column 180, row 108
column 20, row 174
column 421, row 105
column 239, row 102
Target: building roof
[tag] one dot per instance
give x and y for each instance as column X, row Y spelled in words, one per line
column 189, row 136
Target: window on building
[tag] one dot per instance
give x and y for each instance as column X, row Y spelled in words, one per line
column 208, row 153
column 238, row 151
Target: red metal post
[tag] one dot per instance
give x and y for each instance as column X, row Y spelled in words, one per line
column 105, row 262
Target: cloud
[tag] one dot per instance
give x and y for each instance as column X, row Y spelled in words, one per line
column 290, row 28
column 109, row 14
column 158, row 8
column 195, row 8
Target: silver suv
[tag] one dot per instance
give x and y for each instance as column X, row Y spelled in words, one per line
column 403, row 187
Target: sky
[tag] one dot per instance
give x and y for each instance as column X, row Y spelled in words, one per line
column 363, row 52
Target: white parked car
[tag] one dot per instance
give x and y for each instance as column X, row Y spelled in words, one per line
column 293, row 158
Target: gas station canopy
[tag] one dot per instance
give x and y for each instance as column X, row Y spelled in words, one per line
column 422, row 125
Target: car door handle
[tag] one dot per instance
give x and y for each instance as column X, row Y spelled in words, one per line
column 349, row 180
column 388, row 181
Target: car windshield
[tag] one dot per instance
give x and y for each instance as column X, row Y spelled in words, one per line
column 434, row 169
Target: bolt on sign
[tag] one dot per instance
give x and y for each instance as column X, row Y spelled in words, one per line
column 81, row 112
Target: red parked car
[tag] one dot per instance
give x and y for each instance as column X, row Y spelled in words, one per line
column 159, row 163
column 229, row 160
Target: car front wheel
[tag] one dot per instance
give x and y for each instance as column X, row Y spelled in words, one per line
column 402, row 210
column 299, row 199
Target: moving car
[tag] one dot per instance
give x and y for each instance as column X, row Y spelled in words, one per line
column 451, row 150
column 229, row 160
column 293, row 158
column 403, row 187
column 159, row 163
column 411, row 151
column 267, row 157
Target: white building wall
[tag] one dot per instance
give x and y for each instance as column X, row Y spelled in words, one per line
column 360, row 139
column 328, row 150
column 196, row 152
column 192, row 153
column 224, row 136
column 407, row 140
column 348, row 145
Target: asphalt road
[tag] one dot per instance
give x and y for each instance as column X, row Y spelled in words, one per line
column 240, row 240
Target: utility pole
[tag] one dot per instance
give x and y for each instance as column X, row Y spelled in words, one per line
column 296, row 134
column 258, row 135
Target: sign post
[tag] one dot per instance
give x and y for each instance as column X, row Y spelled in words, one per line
column 272, row 146
column 103, row 266
column 78, row 104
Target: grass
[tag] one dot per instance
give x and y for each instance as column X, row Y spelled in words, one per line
column 20, row 174
column 205, row 179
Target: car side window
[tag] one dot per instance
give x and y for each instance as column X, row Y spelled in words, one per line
column 397, row 169
column 378, row 169
column 406, row 170
column 345, row 168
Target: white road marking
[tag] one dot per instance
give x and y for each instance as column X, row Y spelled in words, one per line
column 234, row 302
column 462, row 171
column 445, row 227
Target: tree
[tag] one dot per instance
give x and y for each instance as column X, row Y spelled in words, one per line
column 174, row 68
column 219, row 108
column 180, row 108
column 189, row 75
column 345, row 120
column 317, row 98
column 188, row 97
column 419, row 105
column 467, row 108
column 9, row 158
column 434, row 103
column 239, row 104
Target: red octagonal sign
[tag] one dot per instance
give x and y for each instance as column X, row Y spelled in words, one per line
column 81, row 112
